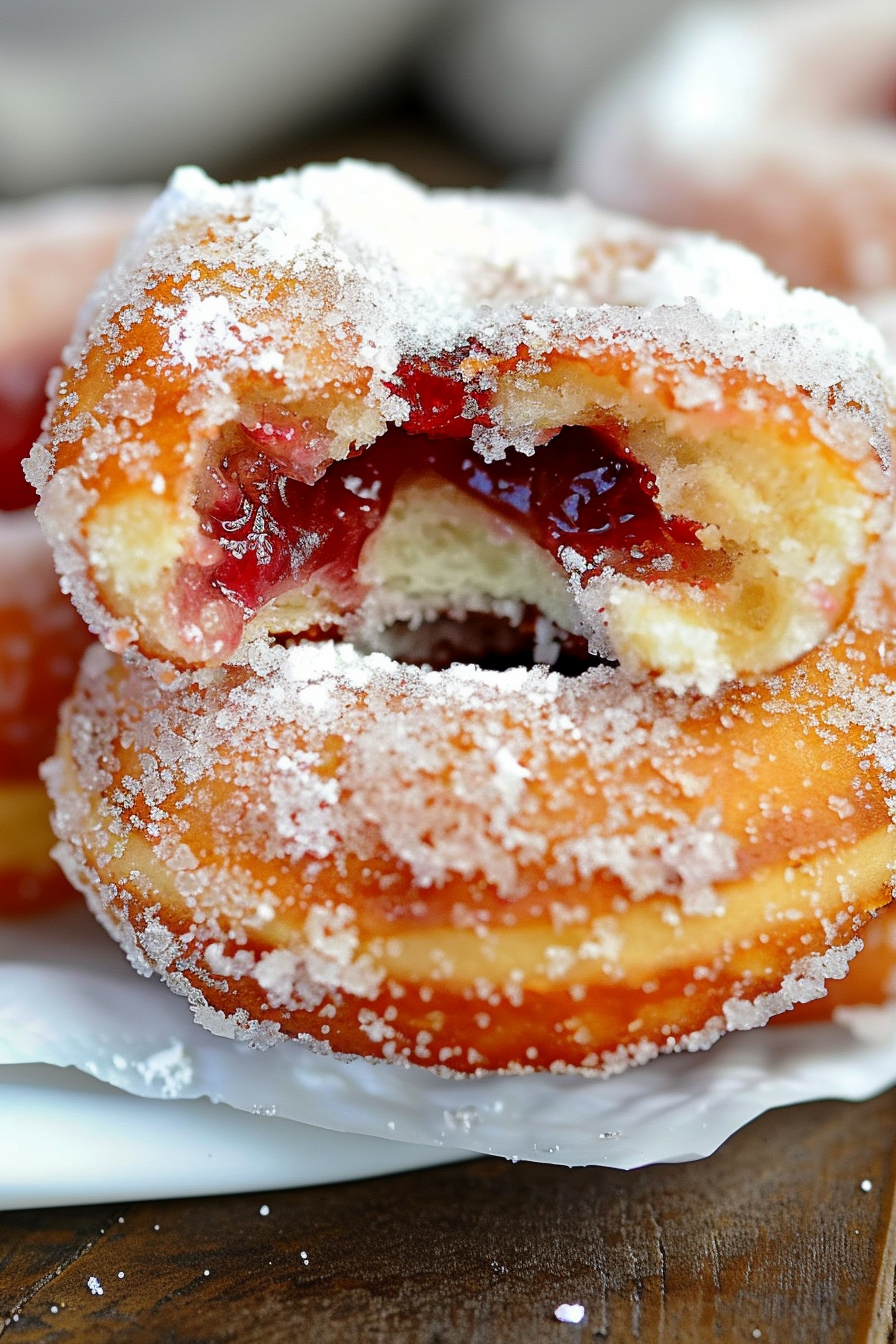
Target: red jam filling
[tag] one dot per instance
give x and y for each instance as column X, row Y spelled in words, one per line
column 441, row 404
column 280, row 529
column 22, row 405
column 582, row 490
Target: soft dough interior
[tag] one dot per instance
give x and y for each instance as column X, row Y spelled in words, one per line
column 439, row 554
column 438, row 551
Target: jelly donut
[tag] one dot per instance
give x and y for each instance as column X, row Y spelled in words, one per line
column 334, row 404
column 482, row 870
column 41, row 642
column 771, row 124
column 50, row 254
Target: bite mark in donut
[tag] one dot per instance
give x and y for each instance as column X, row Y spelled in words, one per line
column 279, row 533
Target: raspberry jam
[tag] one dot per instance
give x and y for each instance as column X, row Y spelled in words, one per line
column 22, row 405
column 580, row 491
column 441, row 404
column 278, row 532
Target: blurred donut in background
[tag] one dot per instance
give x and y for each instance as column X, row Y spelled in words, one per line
column 50, row 253
column 770, row 124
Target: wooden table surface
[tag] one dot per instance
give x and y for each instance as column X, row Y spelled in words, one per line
column 786, row 1235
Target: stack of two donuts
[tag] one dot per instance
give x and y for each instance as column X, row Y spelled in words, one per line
column 497, row 618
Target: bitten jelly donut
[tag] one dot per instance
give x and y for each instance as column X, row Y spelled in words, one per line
column 335, row 404
column 50, row 254
column 772, row 124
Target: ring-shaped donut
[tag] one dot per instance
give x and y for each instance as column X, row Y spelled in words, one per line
column 482, row 870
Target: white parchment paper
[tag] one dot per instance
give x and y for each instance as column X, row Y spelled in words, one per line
column 68, row 998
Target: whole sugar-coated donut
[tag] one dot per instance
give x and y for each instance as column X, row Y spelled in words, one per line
column 50, row 254
column 771, row 124
column 482, row 870
column 331, row 458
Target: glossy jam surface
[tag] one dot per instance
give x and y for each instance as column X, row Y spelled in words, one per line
column 22, row 404
column 441, row 404
column 278, row 532
column 579, row 491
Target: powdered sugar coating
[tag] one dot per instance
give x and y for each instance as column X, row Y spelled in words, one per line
column 420, row 272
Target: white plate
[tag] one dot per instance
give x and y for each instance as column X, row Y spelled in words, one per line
column 67, row 1139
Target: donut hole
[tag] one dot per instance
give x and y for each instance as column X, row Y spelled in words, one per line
column 494, row 643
